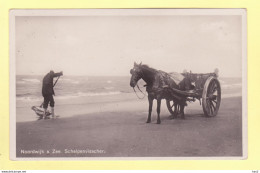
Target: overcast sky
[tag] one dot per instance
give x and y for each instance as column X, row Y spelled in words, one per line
column 109, row 45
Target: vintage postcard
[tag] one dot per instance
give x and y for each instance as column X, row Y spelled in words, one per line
column 128, row 84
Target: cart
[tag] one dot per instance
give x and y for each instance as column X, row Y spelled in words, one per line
column 207, row 90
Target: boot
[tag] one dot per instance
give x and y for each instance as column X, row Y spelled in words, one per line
column 44, row 113
column 52, row 112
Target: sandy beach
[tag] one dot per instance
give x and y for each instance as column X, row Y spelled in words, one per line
column 119, row 129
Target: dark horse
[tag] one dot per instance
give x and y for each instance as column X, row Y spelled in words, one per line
column 158, row 86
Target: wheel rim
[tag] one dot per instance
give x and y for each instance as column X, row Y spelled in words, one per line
column 211, row 97
column 170, row 106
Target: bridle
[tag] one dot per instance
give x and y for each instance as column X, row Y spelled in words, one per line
column 138, row 86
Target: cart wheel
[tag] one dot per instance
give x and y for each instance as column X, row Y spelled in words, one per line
column 170, row 106
column 211, row 97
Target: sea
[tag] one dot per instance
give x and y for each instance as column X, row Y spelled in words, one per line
column 28, row 87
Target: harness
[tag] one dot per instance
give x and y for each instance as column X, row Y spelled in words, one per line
column 140, row 91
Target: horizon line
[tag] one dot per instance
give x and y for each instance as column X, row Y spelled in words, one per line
column 109, row 75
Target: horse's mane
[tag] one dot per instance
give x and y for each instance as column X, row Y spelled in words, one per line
column 149, row 68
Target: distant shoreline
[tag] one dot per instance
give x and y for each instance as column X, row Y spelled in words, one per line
column 41, row 75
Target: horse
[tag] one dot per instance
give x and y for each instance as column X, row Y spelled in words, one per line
column 158, row 86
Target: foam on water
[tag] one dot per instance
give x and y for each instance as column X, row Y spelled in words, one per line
column 109, row 88
column 80, row 94
column 231, row 86
column 28, row 99
column 31, row 80
column 71, row 81
column 63, row 97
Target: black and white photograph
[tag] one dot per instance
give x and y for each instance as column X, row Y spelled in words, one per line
column 128, row 84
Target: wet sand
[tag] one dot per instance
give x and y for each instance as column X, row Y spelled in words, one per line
column 119, row 129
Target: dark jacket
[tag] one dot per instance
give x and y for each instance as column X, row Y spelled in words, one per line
column 47, row 83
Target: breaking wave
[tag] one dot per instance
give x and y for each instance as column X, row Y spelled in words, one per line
column 27, row 98
column 71, row 81
column 30, row 80
column 231, row 86
column 90, row 94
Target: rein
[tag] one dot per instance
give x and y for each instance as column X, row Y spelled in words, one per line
column 140, row 91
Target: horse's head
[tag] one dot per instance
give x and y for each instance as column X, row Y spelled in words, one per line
column 136, row 74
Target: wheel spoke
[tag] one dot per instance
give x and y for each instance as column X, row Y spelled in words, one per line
column 209, row 89
column 217, row 89
column 214, row 103
column 212, row 87
column 214, row 108
column 212, row 112
column 211, row 107
column 208, row 106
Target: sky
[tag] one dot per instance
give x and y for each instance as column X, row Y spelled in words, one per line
column 109, row 45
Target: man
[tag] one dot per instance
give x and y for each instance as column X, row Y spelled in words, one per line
column 186, row 83
column 48, row 92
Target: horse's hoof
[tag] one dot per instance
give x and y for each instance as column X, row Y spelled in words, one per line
column 158, row 122
column 148, row 121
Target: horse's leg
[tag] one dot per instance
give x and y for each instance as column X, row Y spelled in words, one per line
column 182, row 111
column 176, row 110
column 158, row 111
column 150, row 99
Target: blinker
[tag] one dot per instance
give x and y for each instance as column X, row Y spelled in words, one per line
column 131, row 71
